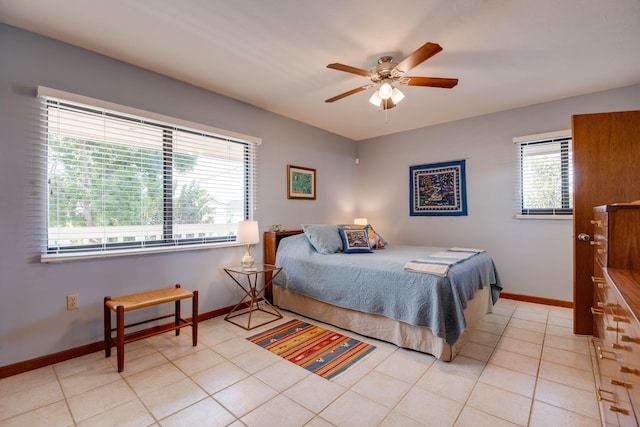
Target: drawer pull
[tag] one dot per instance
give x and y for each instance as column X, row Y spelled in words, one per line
column 596, row 222
column 626, row 370
column 612, row 329
column 607, row 304
column 601, row 251
column 599, row 281
column 606, row 399
column 619, row 410
column 627, row 338
column 597, row 311
column 594, row 243
column 620, row 347
column 620, row 319
column 600, row 352
column 621, row 383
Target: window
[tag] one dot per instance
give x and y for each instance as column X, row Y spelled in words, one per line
column 118, row 181
column 545, row 178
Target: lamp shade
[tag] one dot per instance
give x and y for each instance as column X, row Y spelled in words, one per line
column 360, row 221
column 375, row 99
column 248, row 232
column 396, row 96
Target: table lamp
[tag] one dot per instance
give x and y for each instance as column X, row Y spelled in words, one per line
column 248, row 234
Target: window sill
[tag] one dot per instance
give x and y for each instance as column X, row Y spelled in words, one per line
column 561, row 217
column 79, row 256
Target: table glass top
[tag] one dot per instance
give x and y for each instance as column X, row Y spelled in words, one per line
column 256, row 268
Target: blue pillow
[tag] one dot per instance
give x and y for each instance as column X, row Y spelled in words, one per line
column 375, row 240
column 323, row 237
column 355, row 240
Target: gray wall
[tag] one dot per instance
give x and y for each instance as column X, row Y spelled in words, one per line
column 534, row 257
column 33, row 316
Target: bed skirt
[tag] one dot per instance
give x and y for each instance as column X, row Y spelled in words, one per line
column 419, row 338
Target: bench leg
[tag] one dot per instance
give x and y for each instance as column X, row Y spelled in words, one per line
column 194, row 320
column 177, row 313
column 120, row 336
column 107, row 328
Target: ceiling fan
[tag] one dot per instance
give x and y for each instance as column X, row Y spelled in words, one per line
column 387, row 72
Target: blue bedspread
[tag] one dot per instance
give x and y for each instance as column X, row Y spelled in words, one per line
column 377, row 283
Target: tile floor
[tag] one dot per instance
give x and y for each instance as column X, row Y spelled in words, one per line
column 522, row 366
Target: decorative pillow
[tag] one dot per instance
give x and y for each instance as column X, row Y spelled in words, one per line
column 323, row 237
column 355, row 240
column 375, row 241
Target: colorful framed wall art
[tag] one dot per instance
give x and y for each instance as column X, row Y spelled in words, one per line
column 438, row 189
column 301, row 183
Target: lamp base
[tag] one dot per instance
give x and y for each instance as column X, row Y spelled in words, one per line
column 247, row 259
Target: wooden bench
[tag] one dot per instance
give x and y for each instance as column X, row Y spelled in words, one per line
column 145, row 299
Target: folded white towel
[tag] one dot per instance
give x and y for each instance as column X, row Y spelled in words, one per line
column 439, row 262
column 457, row 249
column 452, row 255
column 420, row 267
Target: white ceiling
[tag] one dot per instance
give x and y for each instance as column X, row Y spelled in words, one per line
column 273, row 53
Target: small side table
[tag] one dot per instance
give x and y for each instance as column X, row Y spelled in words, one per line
column 247, row 279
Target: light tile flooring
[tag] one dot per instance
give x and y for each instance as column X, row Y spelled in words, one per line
column 522, row 366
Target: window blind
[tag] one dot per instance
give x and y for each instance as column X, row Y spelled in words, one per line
column 545, row 175
column 118, row 181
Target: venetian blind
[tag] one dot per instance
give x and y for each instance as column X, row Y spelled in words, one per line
column 120, row 179
column 545, row 175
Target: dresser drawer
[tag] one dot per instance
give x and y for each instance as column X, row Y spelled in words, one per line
column 600, row 237
column 609, row 303
column 612, row 390
column 624, row 293
column 628, row 346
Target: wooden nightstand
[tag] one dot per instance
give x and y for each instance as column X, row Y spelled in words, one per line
column 270, row 243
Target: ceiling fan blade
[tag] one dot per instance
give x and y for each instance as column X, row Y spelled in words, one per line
column 349, row 69
column 422, row 54
column 429, row 81
column 351, row 92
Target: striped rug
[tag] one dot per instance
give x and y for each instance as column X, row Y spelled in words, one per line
column 323, row 352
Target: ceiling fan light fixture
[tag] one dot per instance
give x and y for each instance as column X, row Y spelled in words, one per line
column 389, row 102
column 375, row 99
column 386, row 90
column 396, row 95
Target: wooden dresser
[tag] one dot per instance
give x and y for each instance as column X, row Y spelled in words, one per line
column 616, row 312
column 270, row 244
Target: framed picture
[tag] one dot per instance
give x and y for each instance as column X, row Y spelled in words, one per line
column 438, row 189
column 301, row 183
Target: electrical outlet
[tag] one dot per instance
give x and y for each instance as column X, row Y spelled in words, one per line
column 73, row 301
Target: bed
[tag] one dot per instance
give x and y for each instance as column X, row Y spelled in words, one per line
column 370, row 292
